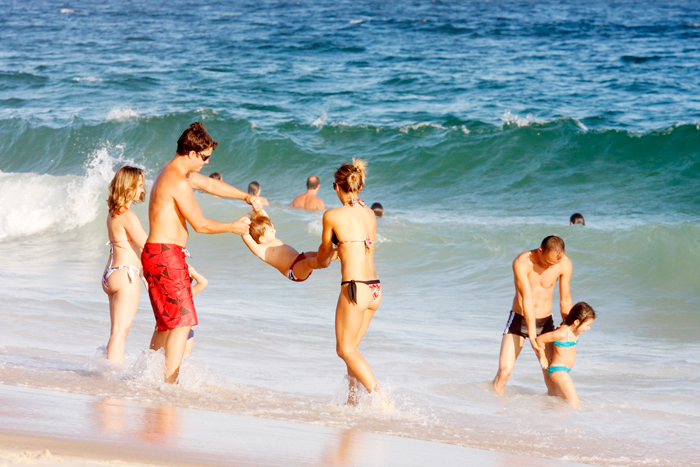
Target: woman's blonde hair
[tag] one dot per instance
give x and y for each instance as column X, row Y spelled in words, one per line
column 123, row 188
column 351, row 177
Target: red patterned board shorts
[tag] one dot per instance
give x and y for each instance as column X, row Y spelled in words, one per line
column 169, row 285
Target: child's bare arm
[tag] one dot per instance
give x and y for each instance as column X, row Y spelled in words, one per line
column 202, row 281
column 254, row 247
column 556, row 335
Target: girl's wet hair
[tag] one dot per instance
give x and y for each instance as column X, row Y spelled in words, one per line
column 123, row 188
column 257, row 226
column 582, row 312
column 351, row 177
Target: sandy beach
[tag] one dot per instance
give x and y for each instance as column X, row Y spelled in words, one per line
column 53, row 428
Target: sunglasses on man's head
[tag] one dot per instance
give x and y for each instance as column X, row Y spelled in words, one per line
column 204, row 158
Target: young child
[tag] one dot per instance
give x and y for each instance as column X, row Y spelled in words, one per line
column 565, row 338
column 158, row 339
column 201, row 284
column 263, row 243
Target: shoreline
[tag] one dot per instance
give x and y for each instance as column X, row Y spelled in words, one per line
column 44, row 427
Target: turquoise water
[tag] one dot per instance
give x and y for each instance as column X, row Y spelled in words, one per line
column 485, row 125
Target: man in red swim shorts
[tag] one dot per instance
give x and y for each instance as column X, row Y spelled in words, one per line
column 172, row 205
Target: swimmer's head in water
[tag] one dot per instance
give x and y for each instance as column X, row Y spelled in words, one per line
column 351, row 177
column 378, row 209
column 126, row 186
column 261, row 227
column 577, row 219
column 312, row 182
column 254, row 188
column 195, row 138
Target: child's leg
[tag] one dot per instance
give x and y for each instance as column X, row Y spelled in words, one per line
column 551, row 387
column 190, row 343
column 304, row 267
column 566, row 388
column 158, row 339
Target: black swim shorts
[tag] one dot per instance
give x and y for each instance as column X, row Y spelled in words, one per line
column 516, row 325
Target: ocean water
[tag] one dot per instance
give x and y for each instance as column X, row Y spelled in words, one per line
column 485, row 126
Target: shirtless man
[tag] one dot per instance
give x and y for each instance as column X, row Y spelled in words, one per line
column 309, row 200
column 536, row 273
column 172, row 204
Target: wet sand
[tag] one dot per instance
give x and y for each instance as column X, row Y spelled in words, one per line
column 45, row 428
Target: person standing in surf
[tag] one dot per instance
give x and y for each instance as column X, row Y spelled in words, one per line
column 354, row 228
column 121, row 279
column 536, row 273
column 310, row 200
column 173, row 205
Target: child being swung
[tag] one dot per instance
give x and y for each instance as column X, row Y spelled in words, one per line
column 263, row 243
column 565, row 338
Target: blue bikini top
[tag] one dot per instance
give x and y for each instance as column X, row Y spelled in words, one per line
column 567, row 342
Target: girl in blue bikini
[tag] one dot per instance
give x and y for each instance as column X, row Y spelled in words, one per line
column 565, row 338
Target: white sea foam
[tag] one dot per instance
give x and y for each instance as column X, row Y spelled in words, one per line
column 509, row 118
column 66, row 11
column 87, row 79
column 36, row 204
column 356, row 21
column 320, row 121
column 121, row 114
column 580, row 125
column 418, row 126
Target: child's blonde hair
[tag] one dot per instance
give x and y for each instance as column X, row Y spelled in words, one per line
column 123, row 188
column 351, row 177
column 257, row 226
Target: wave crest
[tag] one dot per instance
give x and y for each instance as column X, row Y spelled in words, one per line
column 36, row 204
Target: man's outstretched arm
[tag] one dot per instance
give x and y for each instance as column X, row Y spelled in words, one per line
column 223, row 189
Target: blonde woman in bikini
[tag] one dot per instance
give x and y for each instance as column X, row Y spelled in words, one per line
column 121, row 279
column 354, row 228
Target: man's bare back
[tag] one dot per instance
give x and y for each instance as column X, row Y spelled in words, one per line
column 309, row 200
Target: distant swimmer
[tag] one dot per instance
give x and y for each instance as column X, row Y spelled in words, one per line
column 309, row 200
column 121, row 280
column 536, row 273
column 216, row 176
column 577, row 219
column 263, row 243
column 255, row 189
column 378, row 209
column 172, row 206
column 354, row 227
column 565, row 338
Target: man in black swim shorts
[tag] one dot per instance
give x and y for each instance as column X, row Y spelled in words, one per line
column 536, row 273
